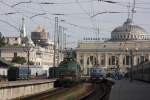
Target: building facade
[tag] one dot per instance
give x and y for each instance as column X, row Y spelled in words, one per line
column 38, row 55
column 38, row 48
column 128, row 40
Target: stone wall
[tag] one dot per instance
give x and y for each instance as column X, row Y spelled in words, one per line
column 11, row 92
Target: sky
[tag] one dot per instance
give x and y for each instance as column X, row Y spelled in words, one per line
column 81, row 18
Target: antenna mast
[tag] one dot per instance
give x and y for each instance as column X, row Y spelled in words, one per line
column 128, row 10
column 133, row 10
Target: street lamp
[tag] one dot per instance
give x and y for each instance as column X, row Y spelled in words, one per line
column 28, row 48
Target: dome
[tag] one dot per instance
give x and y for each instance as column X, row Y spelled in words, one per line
column 128, row 31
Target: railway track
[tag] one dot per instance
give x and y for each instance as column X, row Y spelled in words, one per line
column 45, row 95
column 101, row 91
column 63, row 93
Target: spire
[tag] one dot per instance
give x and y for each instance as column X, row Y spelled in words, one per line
column 23, row 33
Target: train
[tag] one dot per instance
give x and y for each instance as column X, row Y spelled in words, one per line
column 54, row 72
column 141, row 72
column 16, row 73
column 23, row 73
column 68, row 73
column 97, row 73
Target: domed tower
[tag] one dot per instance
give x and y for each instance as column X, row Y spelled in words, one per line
column 129, row 32
column 40, row 36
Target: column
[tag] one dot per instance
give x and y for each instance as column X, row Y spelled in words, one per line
column 135, row 60
column 120, row 61
column 99, row 59
column 84, row 64
column 78, row 57
column 149, row 57
column 106, row 62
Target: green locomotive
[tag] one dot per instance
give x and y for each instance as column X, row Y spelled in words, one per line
column 69, row 73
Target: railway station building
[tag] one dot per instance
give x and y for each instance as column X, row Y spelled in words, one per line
column 127, row 41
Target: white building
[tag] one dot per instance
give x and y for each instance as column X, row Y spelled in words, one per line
column 126, row 40
column 39, row 54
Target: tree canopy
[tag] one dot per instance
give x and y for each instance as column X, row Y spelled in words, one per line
column 2, row 40
column 18, row 60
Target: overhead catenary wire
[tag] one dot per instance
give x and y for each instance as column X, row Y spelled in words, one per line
column 40, row 14
column 16, row 10
column 3, row 21
column 20, row 3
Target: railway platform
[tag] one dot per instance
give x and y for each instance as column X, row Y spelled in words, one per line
column 23, row 88
column 23, row 82
column 130, row 90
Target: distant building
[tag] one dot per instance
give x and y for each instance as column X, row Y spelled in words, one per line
column 41, row 49
column 40, row 36
column 19, row 40
column 126, row 40
column 38, row 55
column 3, row 69
column 13, row 40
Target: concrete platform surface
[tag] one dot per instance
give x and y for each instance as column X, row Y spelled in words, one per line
column 24, row 82
column 126, row 90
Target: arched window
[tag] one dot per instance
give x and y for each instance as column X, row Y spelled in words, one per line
column 92, row 60
column 109, row 61
column 124, row 61
column 117, row 37
column 128, row 37
column 131, row 36
column 88, row 61
column 102, row 62
column 81, row 60
column 127, row 60
column 95, row 61
column 138, row 60
column 121, row 37
column 113, row 60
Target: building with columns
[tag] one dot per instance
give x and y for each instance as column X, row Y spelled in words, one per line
column 128, row 40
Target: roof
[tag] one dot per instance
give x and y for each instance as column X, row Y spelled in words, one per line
column 129, row 27
column 40, row 29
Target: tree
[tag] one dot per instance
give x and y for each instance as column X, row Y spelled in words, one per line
column 31, row 63
column 18, row 60
column 2, row 40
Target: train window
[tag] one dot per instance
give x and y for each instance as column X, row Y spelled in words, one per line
column 99, row 70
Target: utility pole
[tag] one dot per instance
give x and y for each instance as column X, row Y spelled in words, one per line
column 64, row 38
column 61, row 42
column 28, row 62
column 55, row 42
